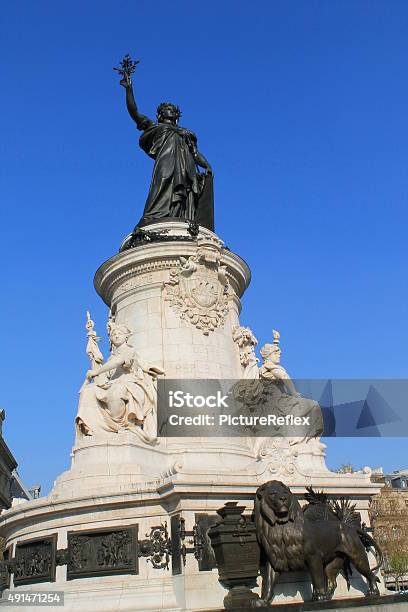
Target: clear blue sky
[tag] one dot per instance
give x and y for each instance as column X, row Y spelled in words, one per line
column 301, row 108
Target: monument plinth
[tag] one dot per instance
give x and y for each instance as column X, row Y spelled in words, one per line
column 181, row 300
column 126, row 527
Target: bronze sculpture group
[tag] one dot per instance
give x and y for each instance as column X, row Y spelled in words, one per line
column 325, row 537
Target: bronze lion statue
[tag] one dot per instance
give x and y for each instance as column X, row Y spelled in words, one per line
column 325, row 537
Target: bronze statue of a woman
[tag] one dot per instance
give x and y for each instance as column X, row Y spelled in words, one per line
column 177, row 189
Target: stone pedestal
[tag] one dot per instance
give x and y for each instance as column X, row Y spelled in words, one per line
column 138, row 286
column 181, row 298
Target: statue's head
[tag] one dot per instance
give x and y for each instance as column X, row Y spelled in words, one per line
column 168, row 113
column 272, row 351
column 118, row 334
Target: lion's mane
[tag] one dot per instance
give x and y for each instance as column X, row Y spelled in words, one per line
column 280, row 537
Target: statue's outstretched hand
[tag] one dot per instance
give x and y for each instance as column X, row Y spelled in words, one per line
column 155, row 371
column 126, row 82
column 88, row 378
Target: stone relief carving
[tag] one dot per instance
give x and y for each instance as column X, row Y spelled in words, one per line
column 120, row 394
column 280, row 457
column 113, row 550
column 101, row 551
column 34, row 561
column 198, row 289
column 246, row 342
column 77, row 557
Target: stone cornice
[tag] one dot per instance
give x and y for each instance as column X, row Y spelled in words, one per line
column 128, row 265
column 161, row 491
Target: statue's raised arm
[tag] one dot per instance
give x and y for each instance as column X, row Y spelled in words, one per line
column 126, row 69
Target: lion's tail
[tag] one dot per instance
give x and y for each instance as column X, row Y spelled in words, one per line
column 347, row 572
column 368, row 543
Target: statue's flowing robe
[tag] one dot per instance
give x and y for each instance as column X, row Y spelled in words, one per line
column 267, row 393
column 286, row 404
column 177, row 189
column 128, row 383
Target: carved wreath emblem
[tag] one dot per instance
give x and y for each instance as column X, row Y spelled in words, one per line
column 198, row 289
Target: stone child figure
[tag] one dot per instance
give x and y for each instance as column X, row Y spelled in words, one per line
column 120, row 394
column 246, row 342
column 177, row 189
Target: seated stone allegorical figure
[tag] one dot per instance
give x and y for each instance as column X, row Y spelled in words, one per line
column 288, row 400
column 120, row 394
column 272, row 391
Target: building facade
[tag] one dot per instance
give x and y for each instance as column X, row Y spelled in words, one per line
column 389, row 519
column 10, row 483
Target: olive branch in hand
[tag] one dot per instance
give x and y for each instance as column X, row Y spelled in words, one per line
column 126, row 68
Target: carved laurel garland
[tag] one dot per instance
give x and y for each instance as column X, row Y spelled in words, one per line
column 198, row 288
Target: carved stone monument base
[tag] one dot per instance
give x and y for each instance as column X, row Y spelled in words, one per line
column 126, row 520
column 152, row 504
